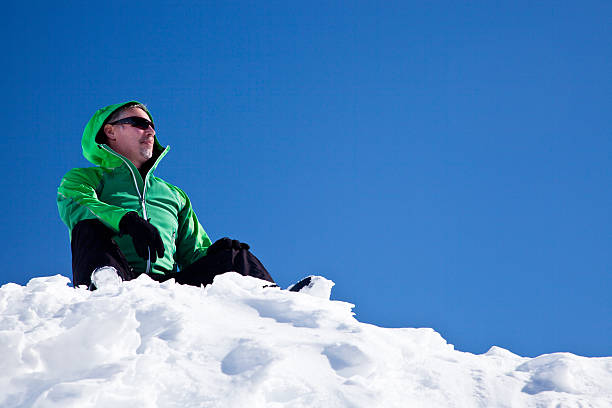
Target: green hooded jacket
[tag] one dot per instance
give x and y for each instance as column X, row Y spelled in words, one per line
column 115, row 187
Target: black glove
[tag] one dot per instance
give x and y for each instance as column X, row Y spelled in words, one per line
column 226, row 243
column 144, row 235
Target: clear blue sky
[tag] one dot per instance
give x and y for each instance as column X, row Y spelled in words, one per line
column 447, row 164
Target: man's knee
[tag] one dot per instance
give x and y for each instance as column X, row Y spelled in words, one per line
column 92, row 247
column 91, row 228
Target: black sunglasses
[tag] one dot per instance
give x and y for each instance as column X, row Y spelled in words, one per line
column 136, row 121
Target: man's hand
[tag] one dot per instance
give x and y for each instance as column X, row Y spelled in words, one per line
column 226, row 243
column 144, row 235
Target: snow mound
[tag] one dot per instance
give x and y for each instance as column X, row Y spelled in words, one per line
column 238, row 344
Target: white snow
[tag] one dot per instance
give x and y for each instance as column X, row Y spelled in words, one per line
column 237, row 344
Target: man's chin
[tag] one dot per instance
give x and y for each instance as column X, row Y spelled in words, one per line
column 146, row 154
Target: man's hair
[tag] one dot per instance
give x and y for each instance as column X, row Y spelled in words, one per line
column 101, row 136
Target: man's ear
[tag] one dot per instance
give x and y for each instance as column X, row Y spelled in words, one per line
column 110, row 132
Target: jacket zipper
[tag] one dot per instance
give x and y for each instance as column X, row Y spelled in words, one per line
column 144, row 214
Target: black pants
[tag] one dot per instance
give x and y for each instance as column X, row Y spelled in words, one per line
column 93, row 246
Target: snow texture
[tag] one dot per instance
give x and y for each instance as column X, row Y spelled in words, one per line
column 238, row 344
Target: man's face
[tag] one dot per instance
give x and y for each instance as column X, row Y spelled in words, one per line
column 129, row 141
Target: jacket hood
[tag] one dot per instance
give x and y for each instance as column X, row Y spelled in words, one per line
column 92, row 149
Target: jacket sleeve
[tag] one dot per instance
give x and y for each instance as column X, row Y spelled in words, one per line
column 77, row 199
column 191, row 240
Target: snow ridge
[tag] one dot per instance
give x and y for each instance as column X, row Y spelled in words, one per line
column 236, row 344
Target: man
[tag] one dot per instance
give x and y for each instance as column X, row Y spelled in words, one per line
column 124, row 221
